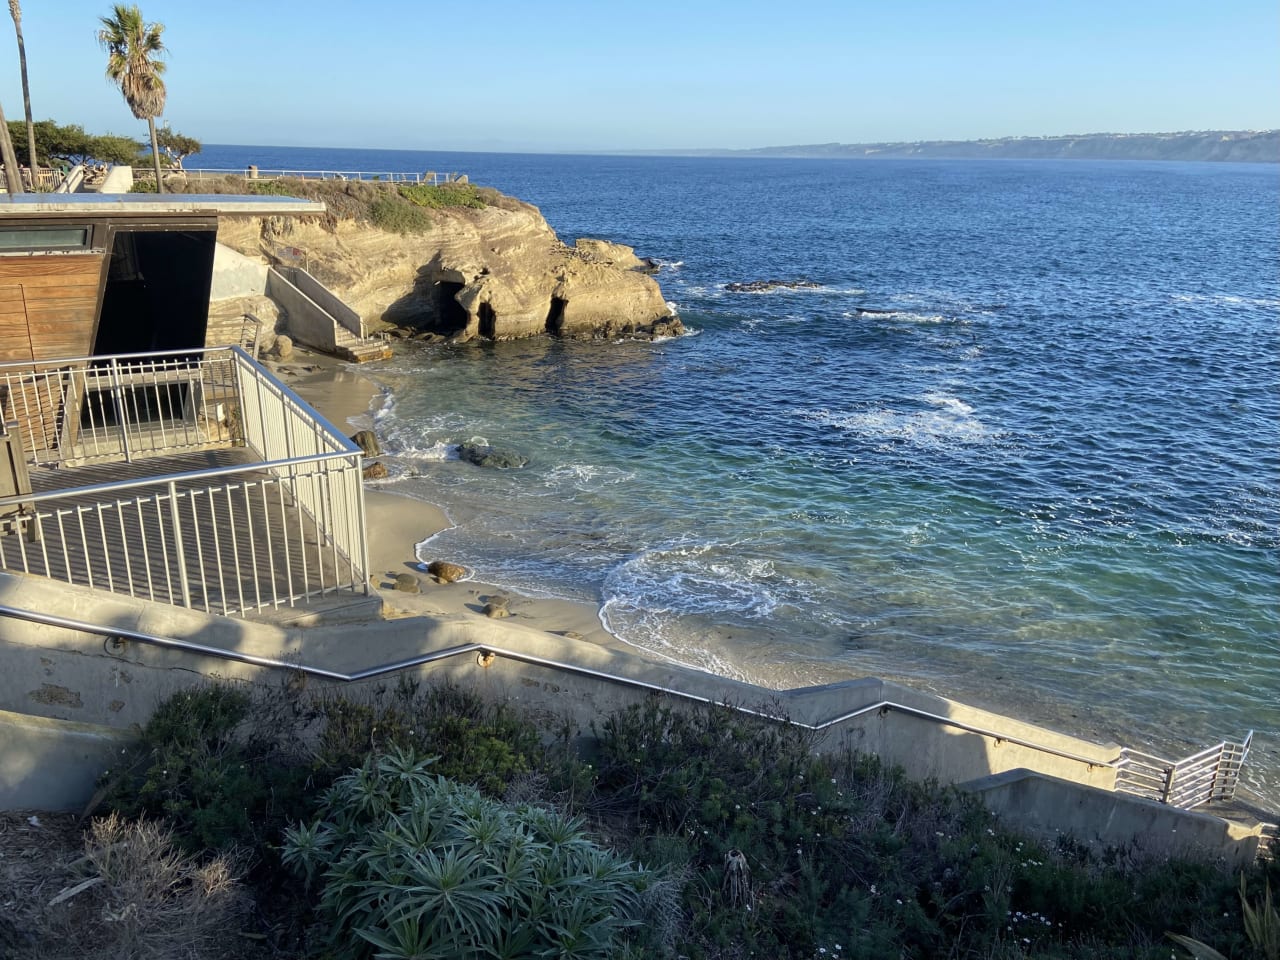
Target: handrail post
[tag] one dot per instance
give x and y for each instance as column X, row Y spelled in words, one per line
column 177, row 544
column 122, row 412
column 1166, row 794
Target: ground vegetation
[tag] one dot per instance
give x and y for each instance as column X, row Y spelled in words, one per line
column 357, row 826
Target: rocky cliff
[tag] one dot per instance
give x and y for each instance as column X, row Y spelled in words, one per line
column 495, row 270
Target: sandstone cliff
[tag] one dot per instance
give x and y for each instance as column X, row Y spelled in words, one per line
column 496, row 271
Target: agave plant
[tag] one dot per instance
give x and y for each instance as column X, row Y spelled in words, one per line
column 413, row 865
column 1261, row 926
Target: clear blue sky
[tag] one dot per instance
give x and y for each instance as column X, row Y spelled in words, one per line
column 656, row 74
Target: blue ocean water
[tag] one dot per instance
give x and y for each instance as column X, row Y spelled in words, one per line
column 1020, row 445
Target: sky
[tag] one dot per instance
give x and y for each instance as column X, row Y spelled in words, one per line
column 657, row 75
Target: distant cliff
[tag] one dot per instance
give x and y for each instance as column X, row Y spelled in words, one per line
column 1239, row 146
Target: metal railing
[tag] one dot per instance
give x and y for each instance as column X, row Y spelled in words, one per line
column 263, row 175
column 91, row 409
column 1205, row 777
column 283, row 524
column 41, row 180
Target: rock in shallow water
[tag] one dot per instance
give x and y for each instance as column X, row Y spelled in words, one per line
column 483, row 455
column 446, row 572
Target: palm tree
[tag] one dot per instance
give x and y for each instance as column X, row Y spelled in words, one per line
column 133, row 50
column 15, row 11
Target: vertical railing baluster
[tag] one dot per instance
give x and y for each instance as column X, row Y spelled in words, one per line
column 124, row 546
column 121, row 411
column 176, row 525
column 286, row 538
column 217, row 551
column 271, row 558
column 235, row 547
column 146, row 551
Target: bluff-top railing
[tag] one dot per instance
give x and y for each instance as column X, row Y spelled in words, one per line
column 198, row 480
column 255, row 175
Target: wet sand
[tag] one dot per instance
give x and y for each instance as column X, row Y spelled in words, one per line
column 396, row 524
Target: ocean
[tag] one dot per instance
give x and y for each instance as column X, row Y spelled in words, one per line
column 1018, row 445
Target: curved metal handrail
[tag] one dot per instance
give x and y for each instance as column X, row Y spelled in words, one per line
column 483, row 649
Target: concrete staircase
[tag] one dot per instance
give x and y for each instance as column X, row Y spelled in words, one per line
column 350, row 347
column 241, row 330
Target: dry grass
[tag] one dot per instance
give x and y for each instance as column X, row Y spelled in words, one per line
column 118, row 890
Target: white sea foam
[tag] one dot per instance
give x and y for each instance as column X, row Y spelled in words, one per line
column 821, row 288
column 1225, row 299
column 950, row 420
column 693, row 577
column 434, row 452
column 900, row 316
column 586, row 476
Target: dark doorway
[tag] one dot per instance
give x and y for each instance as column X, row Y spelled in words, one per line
column 555, row 316
column 450, row 317
column 157, row 294
column 488, row 321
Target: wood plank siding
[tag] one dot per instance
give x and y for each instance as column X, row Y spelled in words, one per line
column 49, row 305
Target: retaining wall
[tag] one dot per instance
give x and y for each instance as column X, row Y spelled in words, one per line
column 1051, row 809
column 65, row 674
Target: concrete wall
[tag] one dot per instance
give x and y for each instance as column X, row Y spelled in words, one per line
column 53, row 764
column 235, row 275
column 64, row 674
column 1050, row 808
column 317, row 292
column 309, row 323
column 119, row 179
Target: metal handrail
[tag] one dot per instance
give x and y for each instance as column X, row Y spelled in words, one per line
column 166, row 478
column 487, row 648
column 263, row 174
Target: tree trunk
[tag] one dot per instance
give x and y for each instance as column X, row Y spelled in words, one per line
column 12, row 174
column 155, row 153
column 32, row 160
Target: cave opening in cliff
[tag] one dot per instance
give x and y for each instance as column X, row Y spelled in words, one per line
column 555, row 316
column 488, row 321
column 450, row 315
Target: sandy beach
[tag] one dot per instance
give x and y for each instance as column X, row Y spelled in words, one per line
column 397, row 524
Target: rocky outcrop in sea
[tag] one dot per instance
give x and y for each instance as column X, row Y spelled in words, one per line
column 498, row 272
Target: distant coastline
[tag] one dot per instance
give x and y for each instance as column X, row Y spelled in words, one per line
column 1229, row 146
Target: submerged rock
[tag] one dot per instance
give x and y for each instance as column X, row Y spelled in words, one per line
column 375, row 471
column 483, row 455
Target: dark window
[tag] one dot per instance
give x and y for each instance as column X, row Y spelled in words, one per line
column 44, row 238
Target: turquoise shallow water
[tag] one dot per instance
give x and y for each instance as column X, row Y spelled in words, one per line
column 1021, row 444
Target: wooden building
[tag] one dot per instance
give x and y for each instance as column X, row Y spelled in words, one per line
column 96, row 274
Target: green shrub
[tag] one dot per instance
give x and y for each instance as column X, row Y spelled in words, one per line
column 416, row 865
column 445, row 195
column 396, row 216
column 198, row 766
column 476, row 741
